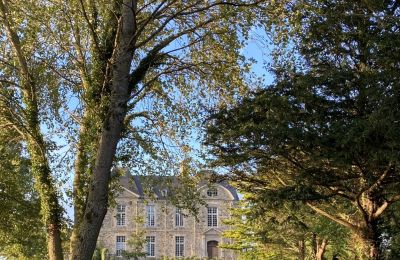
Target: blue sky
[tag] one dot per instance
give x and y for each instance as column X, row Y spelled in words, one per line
column 258, row 49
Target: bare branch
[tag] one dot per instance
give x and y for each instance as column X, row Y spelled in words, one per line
column 91, row 26
column 332, row 217
column 153, row 15
column 9, row 82
column 378, row 181
column 153, row 55
column 384, row 205
column 15, row 41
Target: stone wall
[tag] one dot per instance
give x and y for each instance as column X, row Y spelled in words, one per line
column 196, row 234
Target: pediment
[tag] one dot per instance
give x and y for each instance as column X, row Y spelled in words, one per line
column 212, row 231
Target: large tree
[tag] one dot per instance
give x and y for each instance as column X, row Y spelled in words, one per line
column 139, row 71
column 327, row 131
column 26, row 92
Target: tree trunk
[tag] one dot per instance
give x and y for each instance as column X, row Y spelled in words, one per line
column 50, row 208
column 369, row 231
column 369, row 235
column 78, row 188
column 54, row 245
column 37, row 149
column 321, row 248
column 97, row 200
column 302, row 250
column 371, row 248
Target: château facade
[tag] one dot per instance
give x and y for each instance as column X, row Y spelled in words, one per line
column 166, row 231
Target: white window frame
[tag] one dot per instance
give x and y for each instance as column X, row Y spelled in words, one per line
column 179, row 246
column 212, row 216
column 212, row 192
column 121, row 215
column 120, row 245
column 150, row 246
column 178, row 218
column 150, row 216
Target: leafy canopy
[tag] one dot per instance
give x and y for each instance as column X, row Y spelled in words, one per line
column 326, row 133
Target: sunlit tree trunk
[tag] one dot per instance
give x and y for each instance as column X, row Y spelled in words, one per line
column 97, row 200
column 302, row 250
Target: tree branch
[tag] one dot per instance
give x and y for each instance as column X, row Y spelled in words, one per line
column 91, row 27
column 15, row 41
column 384, row 205
column 334, row 218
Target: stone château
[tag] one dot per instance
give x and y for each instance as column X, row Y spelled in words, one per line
column 167, row 232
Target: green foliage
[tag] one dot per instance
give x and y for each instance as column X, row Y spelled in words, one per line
column 391, row 229
column 96, row 254
column 274, row 232
column 56, row 65
column 19, row 204
column 326, row 133
column 183, row 258
column 137, row 241
column 100, row 254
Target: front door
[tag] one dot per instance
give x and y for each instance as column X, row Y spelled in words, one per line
column 212, row 249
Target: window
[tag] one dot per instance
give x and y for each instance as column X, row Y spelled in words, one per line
column 120, row 215
column 212, row 192
column 178, row 218
column 164, row 192
column 150, row 218
column 120, row 245
column 212, row 216
column 179, row 246
column 150, row 246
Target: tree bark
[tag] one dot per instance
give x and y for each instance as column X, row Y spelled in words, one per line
column 370, row 242
column 302, row 250
column 78, row 189
column 369, row 231
column 50, row 207
column 321, row 248
column 95, row 83
column 97, row 200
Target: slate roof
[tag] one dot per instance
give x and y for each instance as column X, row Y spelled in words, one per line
column 134, row 183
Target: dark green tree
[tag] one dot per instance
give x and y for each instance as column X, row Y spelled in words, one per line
column 283, row 231
column 326, row 133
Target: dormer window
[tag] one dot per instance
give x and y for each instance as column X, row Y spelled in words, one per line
column 164, row 192
column 212, row 192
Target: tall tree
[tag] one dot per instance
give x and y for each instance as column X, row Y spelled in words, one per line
column 326, row 133
column 137, row 70
column 142, row 53
column 24, row 87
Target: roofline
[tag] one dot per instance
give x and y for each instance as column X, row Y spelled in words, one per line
column 230, row 192
column 137, row 195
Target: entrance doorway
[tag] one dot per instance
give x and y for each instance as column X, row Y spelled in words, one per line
column 212, row 249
